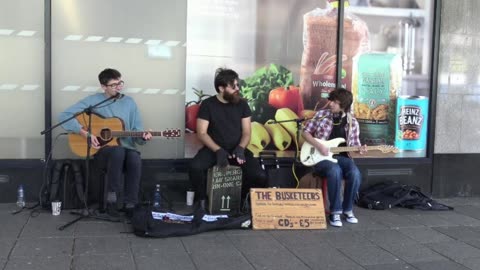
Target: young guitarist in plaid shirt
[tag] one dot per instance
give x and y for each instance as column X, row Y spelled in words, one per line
column 337, row 122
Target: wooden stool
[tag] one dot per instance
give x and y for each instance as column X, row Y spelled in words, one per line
column 313, row 180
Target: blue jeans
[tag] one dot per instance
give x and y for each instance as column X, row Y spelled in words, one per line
column 346, row 170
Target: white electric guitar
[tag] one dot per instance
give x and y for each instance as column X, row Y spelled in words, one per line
column 310, row 156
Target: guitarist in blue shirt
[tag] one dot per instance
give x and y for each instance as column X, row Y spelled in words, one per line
column 337, row 122
column 114, row 159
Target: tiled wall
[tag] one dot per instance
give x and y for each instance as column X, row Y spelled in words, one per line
column 458, row 101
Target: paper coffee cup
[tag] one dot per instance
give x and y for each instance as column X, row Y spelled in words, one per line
column 190, row 197
column 56, row 208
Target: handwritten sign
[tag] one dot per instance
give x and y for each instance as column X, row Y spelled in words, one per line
column 287, row 208
column 224, row 188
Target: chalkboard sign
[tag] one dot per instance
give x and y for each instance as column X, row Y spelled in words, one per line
column 286, row 209
column 224, row 189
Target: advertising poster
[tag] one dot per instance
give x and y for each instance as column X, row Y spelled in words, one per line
column 285, row 54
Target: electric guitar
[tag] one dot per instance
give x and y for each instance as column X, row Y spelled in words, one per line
column 108, row 131
column 309, row 155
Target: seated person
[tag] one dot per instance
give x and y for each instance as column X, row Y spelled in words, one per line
column 337, row 122
column 223, row 126
column 114, row 159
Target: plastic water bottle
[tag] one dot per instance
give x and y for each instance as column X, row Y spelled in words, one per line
column 20, row 197
column 157, row 197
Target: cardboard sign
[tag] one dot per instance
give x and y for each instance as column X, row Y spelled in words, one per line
column 287, row 208
column 224, row 189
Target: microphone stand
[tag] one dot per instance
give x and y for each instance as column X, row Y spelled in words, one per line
column 298, row 121
column 86, row 212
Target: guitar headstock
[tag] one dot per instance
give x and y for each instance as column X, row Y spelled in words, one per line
column 387, row 149
column 172, row 133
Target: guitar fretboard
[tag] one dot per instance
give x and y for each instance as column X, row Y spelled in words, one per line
column 134, row 133
column 351, row 149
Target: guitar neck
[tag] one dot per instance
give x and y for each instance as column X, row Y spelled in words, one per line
column 337, row 150
column 134, row 133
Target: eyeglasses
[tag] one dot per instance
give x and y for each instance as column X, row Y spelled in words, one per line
column 234, row 86
column 115, row 85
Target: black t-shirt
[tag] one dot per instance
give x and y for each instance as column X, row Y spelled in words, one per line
column 225, row 121
column 338, row 130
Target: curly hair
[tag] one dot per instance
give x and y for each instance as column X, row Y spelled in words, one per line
column 343, row 96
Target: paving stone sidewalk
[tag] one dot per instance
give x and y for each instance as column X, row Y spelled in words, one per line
column 392, row 239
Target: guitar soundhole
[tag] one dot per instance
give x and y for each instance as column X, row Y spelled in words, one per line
column 106, row 134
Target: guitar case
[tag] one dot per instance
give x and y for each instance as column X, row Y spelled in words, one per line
column 145, row 225
column 279, row 175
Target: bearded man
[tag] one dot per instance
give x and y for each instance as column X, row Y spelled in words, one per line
column 224, row 126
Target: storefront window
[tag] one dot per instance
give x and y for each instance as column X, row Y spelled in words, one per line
column 168, row 51
column 391, row 84
column 285, row 53
column 263, row 42
column 22, row 79
column 144, row 40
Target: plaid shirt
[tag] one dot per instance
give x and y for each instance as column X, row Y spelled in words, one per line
column 321, row 126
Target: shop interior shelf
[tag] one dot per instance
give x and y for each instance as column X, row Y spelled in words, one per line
column 388, row 12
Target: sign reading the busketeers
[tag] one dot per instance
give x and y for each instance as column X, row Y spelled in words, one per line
column 287, row 208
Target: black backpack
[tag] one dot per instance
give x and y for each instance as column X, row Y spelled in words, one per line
column 389, row 194
column 66, row 184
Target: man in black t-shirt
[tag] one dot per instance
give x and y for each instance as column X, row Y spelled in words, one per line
column 223, row 126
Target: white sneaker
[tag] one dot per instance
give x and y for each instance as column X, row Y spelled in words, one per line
column 350, row 218
column 335, row 220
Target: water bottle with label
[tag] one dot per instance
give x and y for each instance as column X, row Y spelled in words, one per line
column 157, row 197
column 20, row 197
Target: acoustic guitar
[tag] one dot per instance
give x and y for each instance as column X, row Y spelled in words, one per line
column 309, row 155
column 108, row 132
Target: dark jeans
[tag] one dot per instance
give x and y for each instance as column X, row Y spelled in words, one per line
column 346, row 170
column 117, row 160
column 252, row 173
